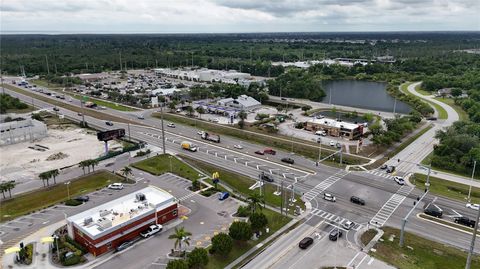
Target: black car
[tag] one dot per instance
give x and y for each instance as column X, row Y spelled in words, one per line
column 82, row 198
column 433, row 211
column 432, row 118
column 56, row 109
column 266, row 177
column 391, row 169
column 383, row 167
column 464, row 221
column 305, row 243
column 109, row 123
column 335, row 234
column 357, row 200
column 288, row 160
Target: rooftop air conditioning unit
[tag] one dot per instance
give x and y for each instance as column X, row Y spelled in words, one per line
column 87, row 221
column 140, row 197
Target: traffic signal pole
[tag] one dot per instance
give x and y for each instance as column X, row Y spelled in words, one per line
column 404, row 222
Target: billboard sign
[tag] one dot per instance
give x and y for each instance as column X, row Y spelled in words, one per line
column 111, row 134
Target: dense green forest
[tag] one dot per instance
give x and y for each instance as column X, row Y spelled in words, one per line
column 8, row 102
column 458, row 148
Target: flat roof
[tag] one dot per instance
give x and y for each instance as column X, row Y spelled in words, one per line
column 105, row 218
column 334, row 123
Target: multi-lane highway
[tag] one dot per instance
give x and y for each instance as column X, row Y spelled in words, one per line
column 386, row 202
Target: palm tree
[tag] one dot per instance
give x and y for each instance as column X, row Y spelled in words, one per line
column 54, row 174
column 3, row 188
column 190, row 111
column 242, row 115
column 126, row 171
column 44, row 176
column 255, row 200
column 82, row 165
column 180, row 235
column 200, row 110
column 93, row 163
column 9, row 186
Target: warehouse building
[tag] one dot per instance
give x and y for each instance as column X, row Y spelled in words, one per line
column 336, row 128
column 103, row 228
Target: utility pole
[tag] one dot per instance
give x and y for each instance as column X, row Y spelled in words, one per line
column 473, row 174
column 46, row 60
column 281, row 198
column 163, row 129
column 83, row 113
column 319, row 141
column 394, row 105
column 120, row 61
column 129, row 137
column 472, row 244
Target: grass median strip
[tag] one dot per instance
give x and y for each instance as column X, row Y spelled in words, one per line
column 28, row 202
column 301, row 147
column 86, row 111
column 448, row 223
column 449, row 189
column 419, row 252
column 242, row 183
column 166, row 163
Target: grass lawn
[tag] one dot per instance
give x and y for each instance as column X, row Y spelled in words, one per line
column 301, row 147
column 46, row 84
column 86, row 111
column 421, row 91
column 425, row 254
column 242, row 183
column 275, row 222
column 25, row 203
column 461, row 113
column 20, row 111
column 161, row 164
column 446, row 188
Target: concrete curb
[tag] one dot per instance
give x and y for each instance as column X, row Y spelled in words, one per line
column 374, row 241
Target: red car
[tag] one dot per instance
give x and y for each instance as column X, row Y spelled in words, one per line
column 259, row 152
column 269, row 151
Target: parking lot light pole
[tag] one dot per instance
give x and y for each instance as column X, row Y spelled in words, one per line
column 473, row 174
column 68, row 189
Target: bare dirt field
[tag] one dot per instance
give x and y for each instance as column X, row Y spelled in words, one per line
column 61, row 148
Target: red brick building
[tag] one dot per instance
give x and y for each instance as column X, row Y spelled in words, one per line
column 103, row 228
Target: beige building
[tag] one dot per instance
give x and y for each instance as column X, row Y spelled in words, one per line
column 335, row 128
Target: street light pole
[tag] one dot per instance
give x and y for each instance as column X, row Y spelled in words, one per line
column 83, row 113
column 404, row 222
column 472, row 244
column 473, row 174
column 163, row 129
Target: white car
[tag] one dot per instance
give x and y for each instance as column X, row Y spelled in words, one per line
column 153, row 229
column 329, row 197
column 348, row 225
column 171, row 125
column 322, row 133
column 399, row 180
column 216, row 120
column 473, row 206
column 238, row 146
column 200, row 132
column 116, row 186
column 332, row 143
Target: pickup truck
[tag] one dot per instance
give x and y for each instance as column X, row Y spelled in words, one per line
column 211, row 137
column 153, row 229
column 464, row 221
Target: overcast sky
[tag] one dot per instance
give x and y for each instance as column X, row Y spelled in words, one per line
column 206, row 16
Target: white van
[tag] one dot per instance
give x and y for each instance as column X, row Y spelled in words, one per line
column 320, row 132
